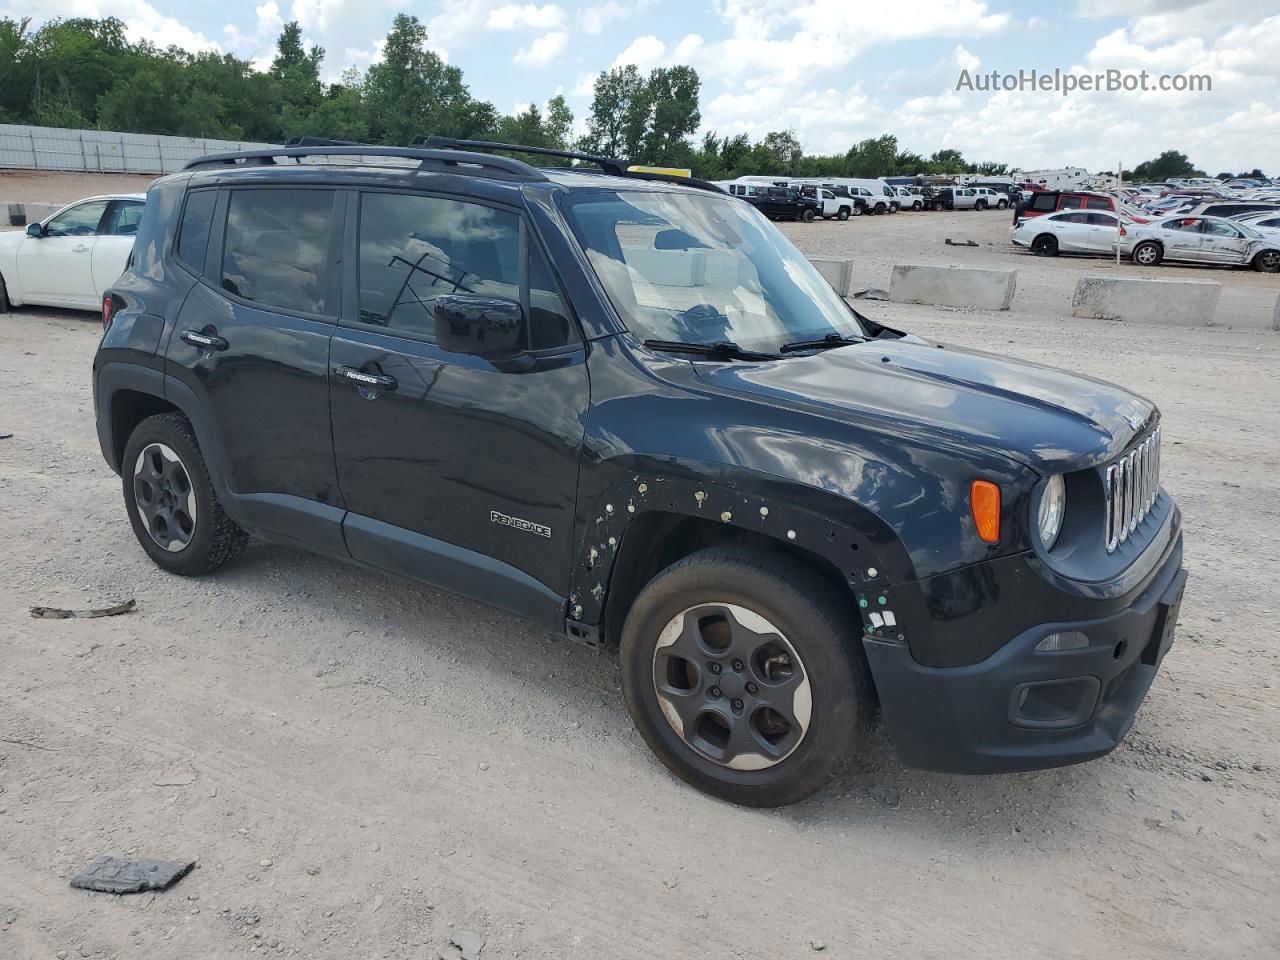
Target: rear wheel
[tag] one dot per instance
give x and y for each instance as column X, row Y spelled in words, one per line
column 918, row 205
column 859, row 209
column 744, row 674
column 980, row 205
column 1001, row 204
column 4, row 297
column 1268, row 261
column 1045, row 245
column 843, row 214
column 170, row 499
column 807, row 216
column 1148, row 253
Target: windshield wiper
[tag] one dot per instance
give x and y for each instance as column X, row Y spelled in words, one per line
column 724, row 349
column 823, row 343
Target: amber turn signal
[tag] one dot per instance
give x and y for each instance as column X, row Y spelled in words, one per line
column 984, row 501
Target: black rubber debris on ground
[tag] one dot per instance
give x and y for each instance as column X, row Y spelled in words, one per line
column 109, row 874
column 5, row 434
column 959, row 243
column 871, row 293
column 56, row 613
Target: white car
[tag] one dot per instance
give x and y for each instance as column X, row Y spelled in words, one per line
column 992, row 199
column 1068, row 231
column 70, row 259
column 1200, row 240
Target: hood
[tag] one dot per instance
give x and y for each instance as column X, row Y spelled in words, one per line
column 1051, row 420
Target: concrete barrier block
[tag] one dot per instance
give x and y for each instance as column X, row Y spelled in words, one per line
column 1176, row 302
column 20, row 214
column 838, row 271
column 668, row 268
column 1275, row 317
column 953, row 286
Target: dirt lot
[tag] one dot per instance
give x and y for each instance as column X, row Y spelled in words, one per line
column 363, row 766
column 30, row 186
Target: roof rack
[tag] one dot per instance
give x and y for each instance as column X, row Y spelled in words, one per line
column 609, row 165
column 429, row 158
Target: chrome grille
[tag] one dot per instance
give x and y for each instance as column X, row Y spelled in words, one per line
column 1132, row 485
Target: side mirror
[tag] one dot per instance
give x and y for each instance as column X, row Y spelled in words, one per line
column 35, row 230
column 481, row 326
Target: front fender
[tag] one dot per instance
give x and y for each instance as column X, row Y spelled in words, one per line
column 849, row 537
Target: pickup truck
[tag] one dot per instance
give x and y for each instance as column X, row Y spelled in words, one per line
column 786, row 203
column 830, row 204
column 956, row 198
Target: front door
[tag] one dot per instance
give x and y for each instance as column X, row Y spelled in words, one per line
column 1223, row 243
column 445, row 454
column 1182, row 238
column 57, row 268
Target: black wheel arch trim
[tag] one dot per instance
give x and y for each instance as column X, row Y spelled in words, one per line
column 846, row 536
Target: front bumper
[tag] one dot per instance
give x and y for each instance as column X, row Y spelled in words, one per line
column 1023, row 709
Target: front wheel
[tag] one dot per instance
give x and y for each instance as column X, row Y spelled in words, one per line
column 843, row 214
column 4, row 297
column 1001, row 204
column 918, row 205
column 859, row 210
column 1268, row 261
column 170, row 499
column 880, row 208
column 745, row 675
column 1148, row 253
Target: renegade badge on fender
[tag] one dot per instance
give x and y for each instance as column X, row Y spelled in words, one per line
column 623, row 406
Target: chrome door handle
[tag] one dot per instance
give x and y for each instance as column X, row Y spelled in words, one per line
column 203, row 340
column 371, row 381
column 80, row 249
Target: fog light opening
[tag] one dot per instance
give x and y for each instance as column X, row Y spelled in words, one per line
column 1060, row 642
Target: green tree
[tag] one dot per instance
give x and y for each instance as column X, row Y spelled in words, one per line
column 619, row 113
column 412, row 92
column 1169, row 164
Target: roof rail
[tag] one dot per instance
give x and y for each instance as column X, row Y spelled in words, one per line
column 609, row 165
column 430, row 158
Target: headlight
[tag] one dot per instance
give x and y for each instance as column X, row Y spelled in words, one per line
column 1053, row 505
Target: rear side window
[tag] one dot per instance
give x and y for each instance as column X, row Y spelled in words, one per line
column 276, row 246
column 1101, row 219
column 193, row 232
column 1072, row 218
column 1071, row 202
column 1043, row 201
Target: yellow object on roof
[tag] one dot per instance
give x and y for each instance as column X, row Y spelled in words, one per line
column 669, row 171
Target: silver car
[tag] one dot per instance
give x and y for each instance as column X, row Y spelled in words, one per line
column 1213, row 240
column 1067, row 231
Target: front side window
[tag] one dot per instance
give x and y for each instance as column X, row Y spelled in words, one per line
column 415, row 248
column 276, row 248
column 81, row 220
column 1220, row 229
column 702, row 269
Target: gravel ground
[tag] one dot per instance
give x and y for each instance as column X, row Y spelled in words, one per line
column 364, row 767
column 32, row 186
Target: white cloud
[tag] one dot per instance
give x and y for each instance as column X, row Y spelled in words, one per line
column 513, row 15
column 543, row 50
column 644, row 52
column 596, row 18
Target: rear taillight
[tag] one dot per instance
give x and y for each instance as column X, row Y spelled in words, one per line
column 109, row 306
column 1123, row 232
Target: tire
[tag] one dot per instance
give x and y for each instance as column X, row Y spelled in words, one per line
column 980, row 205
column 879, row 210
column 859, row 209
column 1268, row 261
column 917, row 206
column 797, row 620
column 193, row 535
column 843, row 214
column 807, row 216
column 1002, row 204
column 4, row 297
column 1045, row 245
column 1148, row 253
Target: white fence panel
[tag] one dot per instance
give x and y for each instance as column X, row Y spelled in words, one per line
column 103, row 151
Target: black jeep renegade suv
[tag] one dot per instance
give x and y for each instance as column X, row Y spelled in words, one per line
column 625, row 407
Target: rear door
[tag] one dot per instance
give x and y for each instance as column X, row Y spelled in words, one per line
column 1102, row 231
column 455, row 468
column 251, row 348
column 1071, row 229
column 57, row 268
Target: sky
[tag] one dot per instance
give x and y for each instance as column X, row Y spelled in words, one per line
column 833, row 71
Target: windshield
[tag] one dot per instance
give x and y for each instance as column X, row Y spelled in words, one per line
column 699, row 268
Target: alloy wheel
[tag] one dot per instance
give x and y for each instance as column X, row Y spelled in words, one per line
column 165, row 498
column 731, row 686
